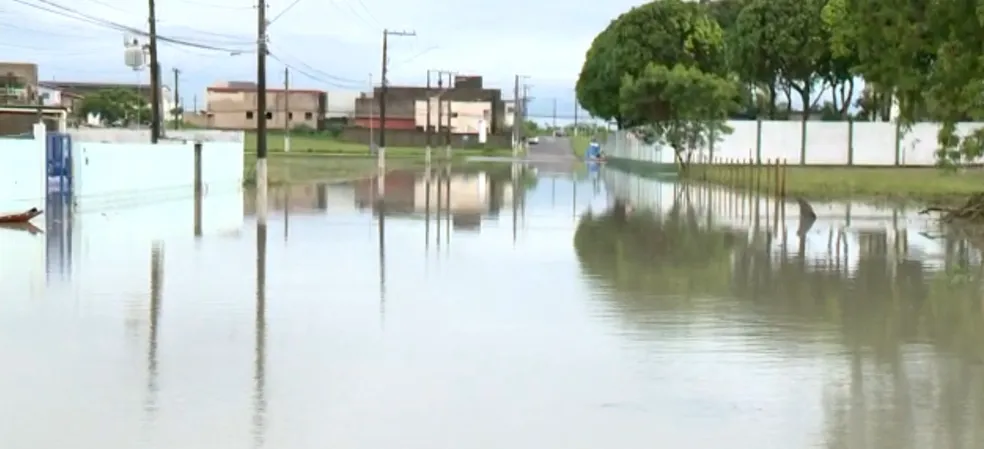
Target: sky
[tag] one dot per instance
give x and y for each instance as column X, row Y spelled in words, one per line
column 330, row 44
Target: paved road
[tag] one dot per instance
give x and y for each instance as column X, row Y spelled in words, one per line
column 553, row 155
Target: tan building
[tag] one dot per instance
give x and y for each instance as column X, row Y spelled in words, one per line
column 232, row 105
column 467, row 117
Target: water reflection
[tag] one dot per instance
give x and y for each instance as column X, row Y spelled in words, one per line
column 260, row 330
column 663, row 311
column 895, row 318
column 156, row 289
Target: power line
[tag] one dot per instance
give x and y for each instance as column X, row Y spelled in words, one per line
column 322, row 74
column 285, row 10
column 70, row 13
column 314, row 75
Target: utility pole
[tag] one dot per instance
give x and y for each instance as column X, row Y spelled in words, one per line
column 575, row 118
column 382, row 92
column 555, row 114
column 261, row 111
column 516, row 124
column 428, row 128
column 286, row 110
column 372, row 113
column 174, row 109
column 440, row 104
column 155, row 76
column 447, row 153
column 524, row 104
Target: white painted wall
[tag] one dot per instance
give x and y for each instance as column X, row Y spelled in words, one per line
column 122, row 135
column 23, row 171
column 23, row 179
column 827, row 143
column 108, row 175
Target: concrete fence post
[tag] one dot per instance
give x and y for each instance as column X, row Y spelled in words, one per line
column 758, row 140
column 898, row 143
column 850, row 142
column 803, row 141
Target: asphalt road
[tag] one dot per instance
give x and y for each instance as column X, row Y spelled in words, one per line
column 553, row 155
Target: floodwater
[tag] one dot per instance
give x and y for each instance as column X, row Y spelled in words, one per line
column 598, row 311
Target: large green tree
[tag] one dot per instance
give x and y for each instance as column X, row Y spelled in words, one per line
column 116, row 107
column 666, row 32
column 783, row 42
column 683, row 107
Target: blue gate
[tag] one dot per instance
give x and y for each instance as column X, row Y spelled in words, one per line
column 59, row 149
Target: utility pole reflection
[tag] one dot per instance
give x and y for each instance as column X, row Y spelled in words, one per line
column 515, row 199
column 447, row 211
column 381, row 207
column 427, row 208
column 156, row 287
column 259, row 360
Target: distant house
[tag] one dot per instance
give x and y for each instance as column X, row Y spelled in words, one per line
column 472, row 107
column 232, row 105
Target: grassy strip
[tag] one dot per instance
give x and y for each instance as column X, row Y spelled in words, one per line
column 580, row 144
column 922, row 184
column 323, row 144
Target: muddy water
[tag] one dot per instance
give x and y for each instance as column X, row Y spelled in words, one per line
column 474, row 311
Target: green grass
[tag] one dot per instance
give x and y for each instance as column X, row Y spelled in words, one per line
column 922, row 184
column 580, row 144
column 302, row 144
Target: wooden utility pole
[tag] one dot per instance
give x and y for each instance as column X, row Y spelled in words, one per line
column 261, row 117
column 450, row 115
column 428, row 128
column 155, row 76
column 516, row 124
column 383, row 87
column 174, row 108
column 286, row 110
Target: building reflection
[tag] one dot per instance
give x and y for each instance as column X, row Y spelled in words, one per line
column 460, row 199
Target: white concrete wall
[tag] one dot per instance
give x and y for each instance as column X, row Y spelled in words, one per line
column 23, row 176
column 23, row 172
column 120, row 135
column 123, row 175
column 827, row 143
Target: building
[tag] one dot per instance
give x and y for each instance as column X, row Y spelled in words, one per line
column 232, row 105
column 18, row 83
column 472, row 107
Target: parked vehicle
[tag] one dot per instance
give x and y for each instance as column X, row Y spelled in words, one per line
column 533, row 140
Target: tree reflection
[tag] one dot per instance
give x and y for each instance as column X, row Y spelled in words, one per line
column 912, row 334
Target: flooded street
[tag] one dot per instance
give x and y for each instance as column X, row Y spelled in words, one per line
column 561, row 311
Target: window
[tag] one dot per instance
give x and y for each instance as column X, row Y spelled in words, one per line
column 510, row 110
column 249, row 115
column 308, row 116
column 454, row 115
column 269, row 115
column 290, row 116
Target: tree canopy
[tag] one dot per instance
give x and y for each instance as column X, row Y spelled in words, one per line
column 923, row 56
column 116, row 107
